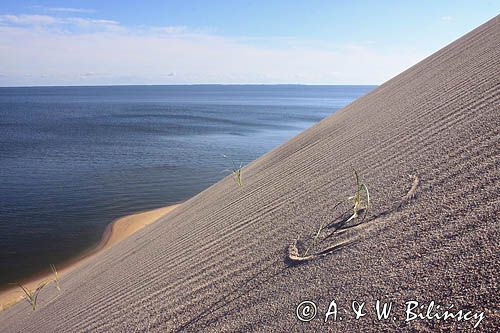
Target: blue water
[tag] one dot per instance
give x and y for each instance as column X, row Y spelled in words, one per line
column 72, row 159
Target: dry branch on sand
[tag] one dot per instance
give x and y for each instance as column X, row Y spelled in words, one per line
column 360, row 207
column 361, row 204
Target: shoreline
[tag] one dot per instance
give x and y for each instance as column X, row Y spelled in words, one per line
column 114, row 233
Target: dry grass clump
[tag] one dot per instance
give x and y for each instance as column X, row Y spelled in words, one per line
column 360, row 207
column 31, row 296
column 236, row 171
column 56, row 277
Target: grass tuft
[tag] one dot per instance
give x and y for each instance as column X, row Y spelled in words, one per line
column 236, row 171
column 56, row 277
column 31, row 296
column 359, row 205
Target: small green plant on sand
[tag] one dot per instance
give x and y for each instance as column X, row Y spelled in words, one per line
column 32, row 295
column 359, row 205
column 56, row 277
column 236, row 171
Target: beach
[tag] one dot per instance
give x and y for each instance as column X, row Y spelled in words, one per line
column 392, row 199
column 117, row 231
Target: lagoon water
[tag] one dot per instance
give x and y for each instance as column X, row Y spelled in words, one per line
column 73, row 159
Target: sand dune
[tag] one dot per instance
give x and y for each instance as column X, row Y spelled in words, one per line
column 219, row 261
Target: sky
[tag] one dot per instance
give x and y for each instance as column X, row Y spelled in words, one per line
column 87, row 42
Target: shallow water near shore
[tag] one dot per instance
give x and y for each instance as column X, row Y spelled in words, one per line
column 73, row 159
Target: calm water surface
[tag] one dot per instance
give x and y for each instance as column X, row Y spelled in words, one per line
column 72, row 159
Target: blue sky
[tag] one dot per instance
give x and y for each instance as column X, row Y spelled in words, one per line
column 175, row 42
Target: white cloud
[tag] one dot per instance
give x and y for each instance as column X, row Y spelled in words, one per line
column 51, row 20
column 90, row 24
column 67, row 24
column 70, row 10
column 86, row 21
column 28, row 19
column 171, row 29
column 88, row 51
column 446, row 18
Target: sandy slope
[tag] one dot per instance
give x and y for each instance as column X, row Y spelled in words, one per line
column 217, row 263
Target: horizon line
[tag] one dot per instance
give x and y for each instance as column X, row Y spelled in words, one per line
column 189, row 84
